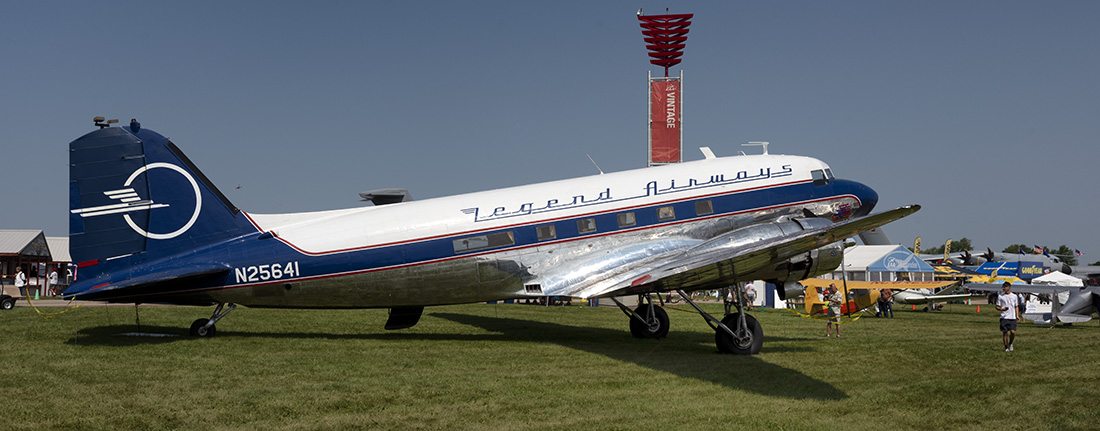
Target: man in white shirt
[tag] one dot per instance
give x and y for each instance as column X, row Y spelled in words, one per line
column 1007, row 303
column 20, row 280
column 52, row 281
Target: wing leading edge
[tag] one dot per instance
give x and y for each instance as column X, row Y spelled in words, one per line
column 735, row 256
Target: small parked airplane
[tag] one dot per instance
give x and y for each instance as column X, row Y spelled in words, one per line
column 1079, row 306
column 147, row 226
column 864, row 294
column 966, row 258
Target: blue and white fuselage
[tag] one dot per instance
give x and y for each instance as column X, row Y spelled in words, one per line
column 147, row 226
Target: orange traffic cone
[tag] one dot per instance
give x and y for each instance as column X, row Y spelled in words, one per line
column 914, row 307
column 979, row 309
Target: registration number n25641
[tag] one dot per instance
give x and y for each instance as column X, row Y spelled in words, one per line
column 273, row 271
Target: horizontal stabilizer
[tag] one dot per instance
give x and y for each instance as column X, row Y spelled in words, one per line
column 166, row 279
column 1038, row 318
column 1073, row 318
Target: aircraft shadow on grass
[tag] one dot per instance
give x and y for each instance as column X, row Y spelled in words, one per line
column 685, row 354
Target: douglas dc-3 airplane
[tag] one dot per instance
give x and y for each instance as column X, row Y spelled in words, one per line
column 147, row 226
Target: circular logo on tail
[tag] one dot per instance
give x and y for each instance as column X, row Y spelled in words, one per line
column 127, row 201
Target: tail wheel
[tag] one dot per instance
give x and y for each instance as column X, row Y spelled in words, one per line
column 199, row 329
column 745, row 341
column 655, row 326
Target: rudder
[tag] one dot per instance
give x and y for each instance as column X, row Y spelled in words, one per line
column 132, row 191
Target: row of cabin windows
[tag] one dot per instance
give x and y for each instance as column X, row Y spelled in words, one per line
column 584, row 226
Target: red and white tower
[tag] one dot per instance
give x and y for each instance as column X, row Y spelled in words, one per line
column 664, row 37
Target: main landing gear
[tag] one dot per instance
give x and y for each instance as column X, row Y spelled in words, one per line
column 204, row 328
column 737, row 333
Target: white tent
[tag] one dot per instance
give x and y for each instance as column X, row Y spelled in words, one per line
column 1057, row 278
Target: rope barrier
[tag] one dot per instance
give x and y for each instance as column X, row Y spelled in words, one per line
column 840, row 319
column 50, row 315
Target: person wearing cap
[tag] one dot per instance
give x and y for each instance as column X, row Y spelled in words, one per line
column 834, row 298
column 1007, row 303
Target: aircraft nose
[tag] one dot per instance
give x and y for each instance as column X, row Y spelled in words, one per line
column 868, row 198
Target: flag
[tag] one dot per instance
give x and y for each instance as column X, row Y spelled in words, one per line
column 1077, row 252
column 1045, row 253
column 1038, row 249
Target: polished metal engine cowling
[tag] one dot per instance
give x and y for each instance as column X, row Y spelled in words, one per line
column 788, row 272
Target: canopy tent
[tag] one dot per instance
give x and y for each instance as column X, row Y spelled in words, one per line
column 1057, row 278
column 884, row 263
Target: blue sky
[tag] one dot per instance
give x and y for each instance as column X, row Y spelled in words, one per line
column 984, row 112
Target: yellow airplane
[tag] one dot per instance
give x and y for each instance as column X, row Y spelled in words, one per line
column 863, row 294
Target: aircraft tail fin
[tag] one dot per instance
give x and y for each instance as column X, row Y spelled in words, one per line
column 135, row 197
column 813, row 302
column 876, row 236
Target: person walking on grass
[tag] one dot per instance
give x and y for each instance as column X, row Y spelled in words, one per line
column 834, row 299
column 1007, row 303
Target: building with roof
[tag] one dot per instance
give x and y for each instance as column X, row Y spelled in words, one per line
column 36, row 254
column 883, row 263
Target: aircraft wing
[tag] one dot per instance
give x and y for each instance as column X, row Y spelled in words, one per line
column 877, row 285
column 1019, row 288
column 716, row 263
column 1070, row 318
column 919, row 298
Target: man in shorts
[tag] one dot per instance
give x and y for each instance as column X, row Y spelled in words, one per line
column 834, row 299
column 1007, row 303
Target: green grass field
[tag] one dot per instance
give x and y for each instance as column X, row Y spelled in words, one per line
column 528, row 367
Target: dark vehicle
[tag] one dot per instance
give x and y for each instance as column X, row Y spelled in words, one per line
column 7, row 302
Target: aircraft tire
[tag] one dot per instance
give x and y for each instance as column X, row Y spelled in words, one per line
column 7, row 304
column 641, row 330
column 750, row 346
column 198, row 331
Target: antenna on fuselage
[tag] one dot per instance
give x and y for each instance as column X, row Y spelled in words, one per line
column 758, row 144
column 594, row 163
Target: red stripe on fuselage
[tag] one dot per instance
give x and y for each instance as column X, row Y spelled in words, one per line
column 470, row 232
column 493, row 251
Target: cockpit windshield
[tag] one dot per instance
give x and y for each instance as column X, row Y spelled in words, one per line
column 821, row 177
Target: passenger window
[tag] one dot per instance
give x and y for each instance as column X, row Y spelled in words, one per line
column 586, row 225
column 665, row 213
column 627, row 219
column 483, row 241
column 546, row 232
column 703, row 208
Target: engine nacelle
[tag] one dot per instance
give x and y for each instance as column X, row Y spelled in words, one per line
column 817, row 262
column 786, row 274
